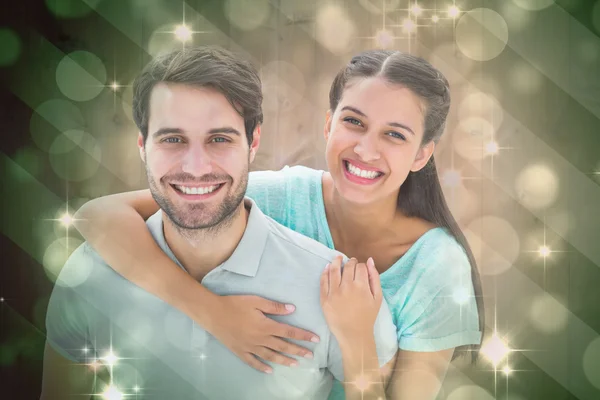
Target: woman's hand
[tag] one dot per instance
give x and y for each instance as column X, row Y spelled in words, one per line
column 351, row 299
column 241, row 325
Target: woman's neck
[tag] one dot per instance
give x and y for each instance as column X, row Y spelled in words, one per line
column 352, row 221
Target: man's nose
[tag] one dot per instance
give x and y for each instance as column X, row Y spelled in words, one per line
column 196, row 161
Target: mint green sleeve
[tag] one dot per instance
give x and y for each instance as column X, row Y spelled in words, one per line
column 434, row 306
column 269, row 191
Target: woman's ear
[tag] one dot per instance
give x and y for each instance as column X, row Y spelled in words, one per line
column 327, row 128
column 423, row 156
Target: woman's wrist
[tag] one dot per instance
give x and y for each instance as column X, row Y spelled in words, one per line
column 200, row 304
column 355, row 338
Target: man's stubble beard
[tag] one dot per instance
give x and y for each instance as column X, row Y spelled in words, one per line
column 221, row 219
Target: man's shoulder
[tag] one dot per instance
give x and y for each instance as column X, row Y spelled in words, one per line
column 299, row 245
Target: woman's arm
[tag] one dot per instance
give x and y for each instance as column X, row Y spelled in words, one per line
column 115, row 227
column 351, row 301
column 419, row 375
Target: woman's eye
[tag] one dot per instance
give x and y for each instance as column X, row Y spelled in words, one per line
column 353, row 121
column 172, row 140
column 397, row 135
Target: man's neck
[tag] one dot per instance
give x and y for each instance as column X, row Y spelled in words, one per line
column 202, row 250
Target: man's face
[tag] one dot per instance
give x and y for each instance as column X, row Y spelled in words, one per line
column 196, row 155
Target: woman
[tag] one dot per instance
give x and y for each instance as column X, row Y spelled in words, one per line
column 381, row 198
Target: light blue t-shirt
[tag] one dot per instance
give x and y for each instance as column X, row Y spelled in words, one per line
column 429, row 290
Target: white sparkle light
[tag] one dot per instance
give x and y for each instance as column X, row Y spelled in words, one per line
column 384, row 38
column 453, row 11
column 66, row 219
column 435, row 19
column 110, row 358
column 1, row 299
column 136, row 388
column 183, row 33
column 544, row 251
column 408, row 25
column 362, row 383
column 461, row 295
column 495, row 349
column 95, row 365
column 491, row 148
column 115, row 86
column 112, row 393
column 451, row 178
column 416, row 10
column 507, row 370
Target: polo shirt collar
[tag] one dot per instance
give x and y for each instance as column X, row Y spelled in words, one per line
column 248, row 253
column 246, row 257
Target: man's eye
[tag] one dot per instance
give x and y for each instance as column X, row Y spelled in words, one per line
column 172, row 140
column 220, row 140
column 353, row 121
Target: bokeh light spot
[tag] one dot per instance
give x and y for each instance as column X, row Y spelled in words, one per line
column 469, row 392
column 494, row 242
column 81, row 76
column 591, row 362
column 537, row 186
column 334, row 28
column 51, row 118
column 75, row 155
column 470, row 137
column 481, row 34
column 548, row 315
column 534, row 5
column 10, row 43
column 596, row 16
column 247, row 15
column 56, row 256
column 482, row 105
column 71, row 8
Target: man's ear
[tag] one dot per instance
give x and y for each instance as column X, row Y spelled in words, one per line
column 140, row 143
column 327, row 128
column 255, row 143
column 423, row 156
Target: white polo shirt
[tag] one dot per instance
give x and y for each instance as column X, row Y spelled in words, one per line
column 164, row 354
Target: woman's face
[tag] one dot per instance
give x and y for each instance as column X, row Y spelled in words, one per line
column 374, row 140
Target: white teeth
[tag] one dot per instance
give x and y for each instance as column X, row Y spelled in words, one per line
column 362, row 173
column 196, row 190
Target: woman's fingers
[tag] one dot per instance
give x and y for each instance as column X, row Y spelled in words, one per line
column 349, row 270
column 361, row 274
column 290, row 332
column 374, row 281
column 283, row 346
column 335, row 274
column 274, row 357
column 270, row 306
column 252, row 361
column 325, row 283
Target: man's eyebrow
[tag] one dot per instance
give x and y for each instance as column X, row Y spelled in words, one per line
column 225, row 129
column 396, row 124
column 167, row 131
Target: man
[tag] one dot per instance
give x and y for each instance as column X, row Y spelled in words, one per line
column 199, row 115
